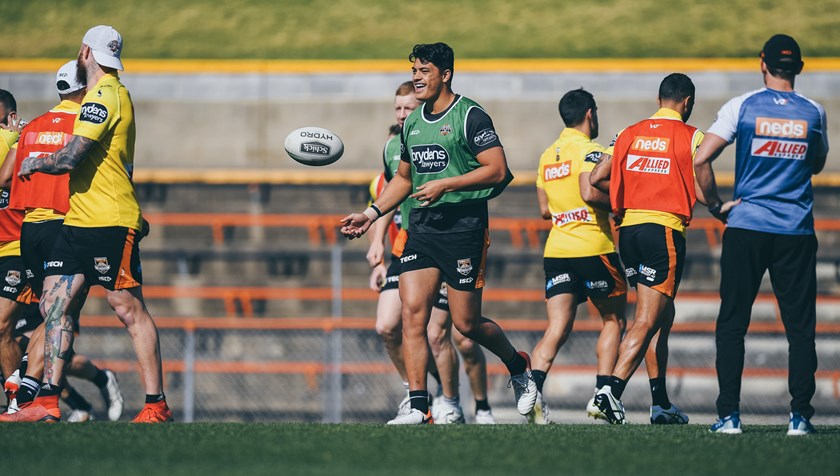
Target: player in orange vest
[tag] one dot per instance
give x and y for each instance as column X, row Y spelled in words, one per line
column 650, row 179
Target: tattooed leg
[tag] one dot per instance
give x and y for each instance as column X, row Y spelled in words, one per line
column 58, row 326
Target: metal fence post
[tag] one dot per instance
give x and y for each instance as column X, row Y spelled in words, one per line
column 189, row 372
column 333, row 394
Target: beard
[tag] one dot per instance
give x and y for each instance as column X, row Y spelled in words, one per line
column 81, row 71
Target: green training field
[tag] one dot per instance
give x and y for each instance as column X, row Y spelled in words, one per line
column 297, row 449
column 374, row 29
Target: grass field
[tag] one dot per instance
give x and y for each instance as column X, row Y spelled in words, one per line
column 293, row 449
column 386, row 29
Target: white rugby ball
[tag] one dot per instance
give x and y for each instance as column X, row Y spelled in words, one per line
column 314, row 146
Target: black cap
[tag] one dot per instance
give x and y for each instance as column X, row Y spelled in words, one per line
column 782, row 52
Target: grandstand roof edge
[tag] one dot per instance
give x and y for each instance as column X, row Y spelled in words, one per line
column 533, row 65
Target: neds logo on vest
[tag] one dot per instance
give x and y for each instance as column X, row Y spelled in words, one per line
column 651, row 144
column 429, row 158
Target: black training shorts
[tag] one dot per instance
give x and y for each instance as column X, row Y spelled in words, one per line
column 460, row 256
column 107, row 256
column 591, row 276
column 653, row 255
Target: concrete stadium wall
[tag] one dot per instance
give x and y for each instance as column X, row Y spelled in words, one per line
column 239, row 121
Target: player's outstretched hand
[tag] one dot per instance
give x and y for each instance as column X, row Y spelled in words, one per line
column 355, row 225
column 377, row 277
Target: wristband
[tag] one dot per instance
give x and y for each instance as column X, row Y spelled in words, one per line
column 377, row 210
column 371, row 214
column 715, row 209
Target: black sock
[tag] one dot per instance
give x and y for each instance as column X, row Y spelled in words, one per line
column 419, row 400
column 155, row 398
column 601, row 380
column 517, row 364
column 539, row 378
column 75, row 401
column 617, row 385
column 28, row 390
column 100, row 379
column 482, row 405
column 659, row 392
column 48, row 390
column 435, row 375
column 24, row 364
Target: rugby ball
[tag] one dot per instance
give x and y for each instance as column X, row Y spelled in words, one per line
column 314, row 146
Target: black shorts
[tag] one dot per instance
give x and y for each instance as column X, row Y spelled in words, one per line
column 591, row 276
column 15, row 285
column 460, row 256
column 107, row 256
column 29, row 320
column 392, row 278
column 36, row 245
column 653, row 255
column 442, row 301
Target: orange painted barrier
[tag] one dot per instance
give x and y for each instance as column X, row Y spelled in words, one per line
column 523, row 232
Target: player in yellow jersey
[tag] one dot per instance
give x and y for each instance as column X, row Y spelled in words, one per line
column 98, row 242
column 580, row 260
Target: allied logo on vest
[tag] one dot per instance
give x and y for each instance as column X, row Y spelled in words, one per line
column 578, row 214
column 429, row 158
column 649, row 165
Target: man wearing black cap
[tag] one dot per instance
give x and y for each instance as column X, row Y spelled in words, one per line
column 781, row 141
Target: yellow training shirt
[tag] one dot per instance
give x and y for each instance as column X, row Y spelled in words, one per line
column 101, row 190
column 637, row 217
column 578, row 230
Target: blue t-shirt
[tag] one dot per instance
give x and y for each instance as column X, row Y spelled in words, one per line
column 778, row 136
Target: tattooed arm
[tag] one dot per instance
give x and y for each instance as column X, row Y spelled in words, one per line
column 60, row 162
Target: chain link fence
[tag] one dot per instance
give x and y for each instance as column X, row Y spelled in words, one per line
column 336, row 370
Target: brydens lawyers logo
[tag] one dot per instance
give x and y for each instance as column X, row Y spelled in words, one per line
column 557, row 171
column 649, row 165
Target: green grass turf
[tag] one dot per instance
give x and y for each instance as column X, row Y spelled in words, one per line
column 352, row 29
column 292, row 449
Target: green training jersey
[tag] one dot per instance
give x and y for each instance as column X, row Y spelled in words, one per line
column 446, row 145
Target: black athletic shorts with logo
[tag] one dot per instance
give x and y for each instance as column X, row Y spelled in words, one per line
column 653, row 255
column 14, row 285
column 591, row 276
column 107, row 256
column 392, row 281
column 36, row 245
column 460, row 256
column 392, row 277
